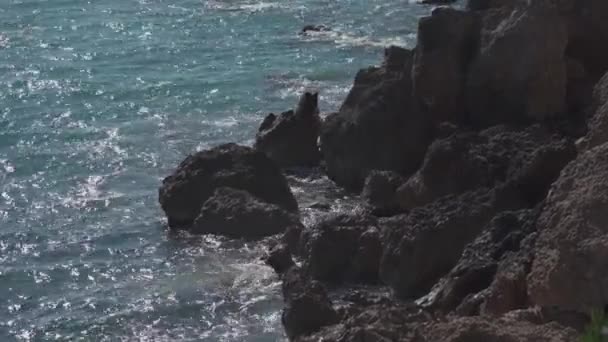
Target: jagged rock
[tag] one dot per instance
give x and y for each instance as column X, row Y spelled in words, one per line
column 290, row 139
column 279, row 257
column 342, row 247
column 528, row 159
column 380, row 192
column 514, row 78
column 237, row 213
column 307, row 306
column 436, row 2
column 378, row 127
column 480, row 329
column 571, row 253
column 480, row 5
column 598, row 123
column 421, row 247
column 487, row 267
column 446, row 43
column 183, row 193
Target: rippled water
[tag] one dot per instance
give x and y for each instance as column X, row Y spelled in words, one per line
column 99, row 100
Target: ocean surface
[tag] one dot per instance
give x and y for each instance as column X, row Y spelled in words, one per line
column 100, row 99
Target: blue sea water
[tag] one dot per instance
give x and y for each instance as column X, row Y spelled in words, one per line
column 99, row 99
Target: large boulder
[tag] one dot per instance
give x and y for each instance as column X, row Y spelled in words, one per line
column 421, row 247
column 342, row 247
column 290, row 139
column 446, row 43
column 528, row 159
column 183, row 193
column 571, row 254
column 519, row 73
column 378, row 127
column 307, row 305
column 380, row 192
column 238, row 214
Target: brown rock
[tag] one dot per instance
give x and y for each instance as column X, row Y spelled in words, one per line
column 446, row 43
column 571, row 254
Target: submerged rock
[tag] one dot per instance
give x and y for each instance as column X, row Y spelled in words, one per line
column 183, row 193
column 236, row 213
column 378, row 127
column 571, row 253
column 290, row 139
column 314, row 28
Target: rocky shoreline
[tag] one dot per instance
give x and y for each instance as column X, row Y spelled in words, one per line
column 482, row 156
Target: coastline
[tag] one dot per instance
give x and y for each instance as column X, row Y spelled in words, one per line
column 481, row 154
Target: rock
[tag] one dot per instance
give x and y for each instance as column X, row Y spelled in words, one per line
column 183, row 193
column 307, row 306
column 237, row 213
column 291, row 138
column 279, row 258
column 513, row 78
column 490, row 277
column 479, row 329
column 579, row 89
column 380, row 192
column 423, row 246
column 342, row 247
column 571, row 253
column 378, row 127
column 588, row 33
column 598, row 123
column 314, row 28
column 480, row 5
column 528, row 159
column 446, row 43
column 436, row 2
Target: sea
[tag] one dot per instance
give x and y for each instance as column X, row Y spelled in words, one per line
column 101, row 99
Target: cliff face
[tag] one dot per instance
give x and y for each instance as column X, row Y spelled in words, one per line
column 494, row 132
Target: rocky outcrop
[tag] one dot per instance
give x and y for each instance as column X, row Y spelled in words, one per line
column 421, row 247
column 529, row 160
column 446, row 43
column 598, row 123
column 238, row 214
column 380, row 192
column 571, row 254
column 378, row 127
column 307, row 306
column 513, row 78
column 290, row 139
column 490, row 277
column 195, row 180
column 342, row 248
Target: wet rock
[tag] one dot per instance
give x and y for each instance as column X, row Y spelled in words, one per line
column 513, row 78
column 528, row 159
column 571, row 253
column 290, row 139
column 421, row 247
column 446, row 43
column 436, row 2
column 314, row 28
column 378, row 127
column 480, row 5
column 183, row 193
column 237, row 213
column 380, row 192
column 342, row 247
column 279, row 258
column 307, row 306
